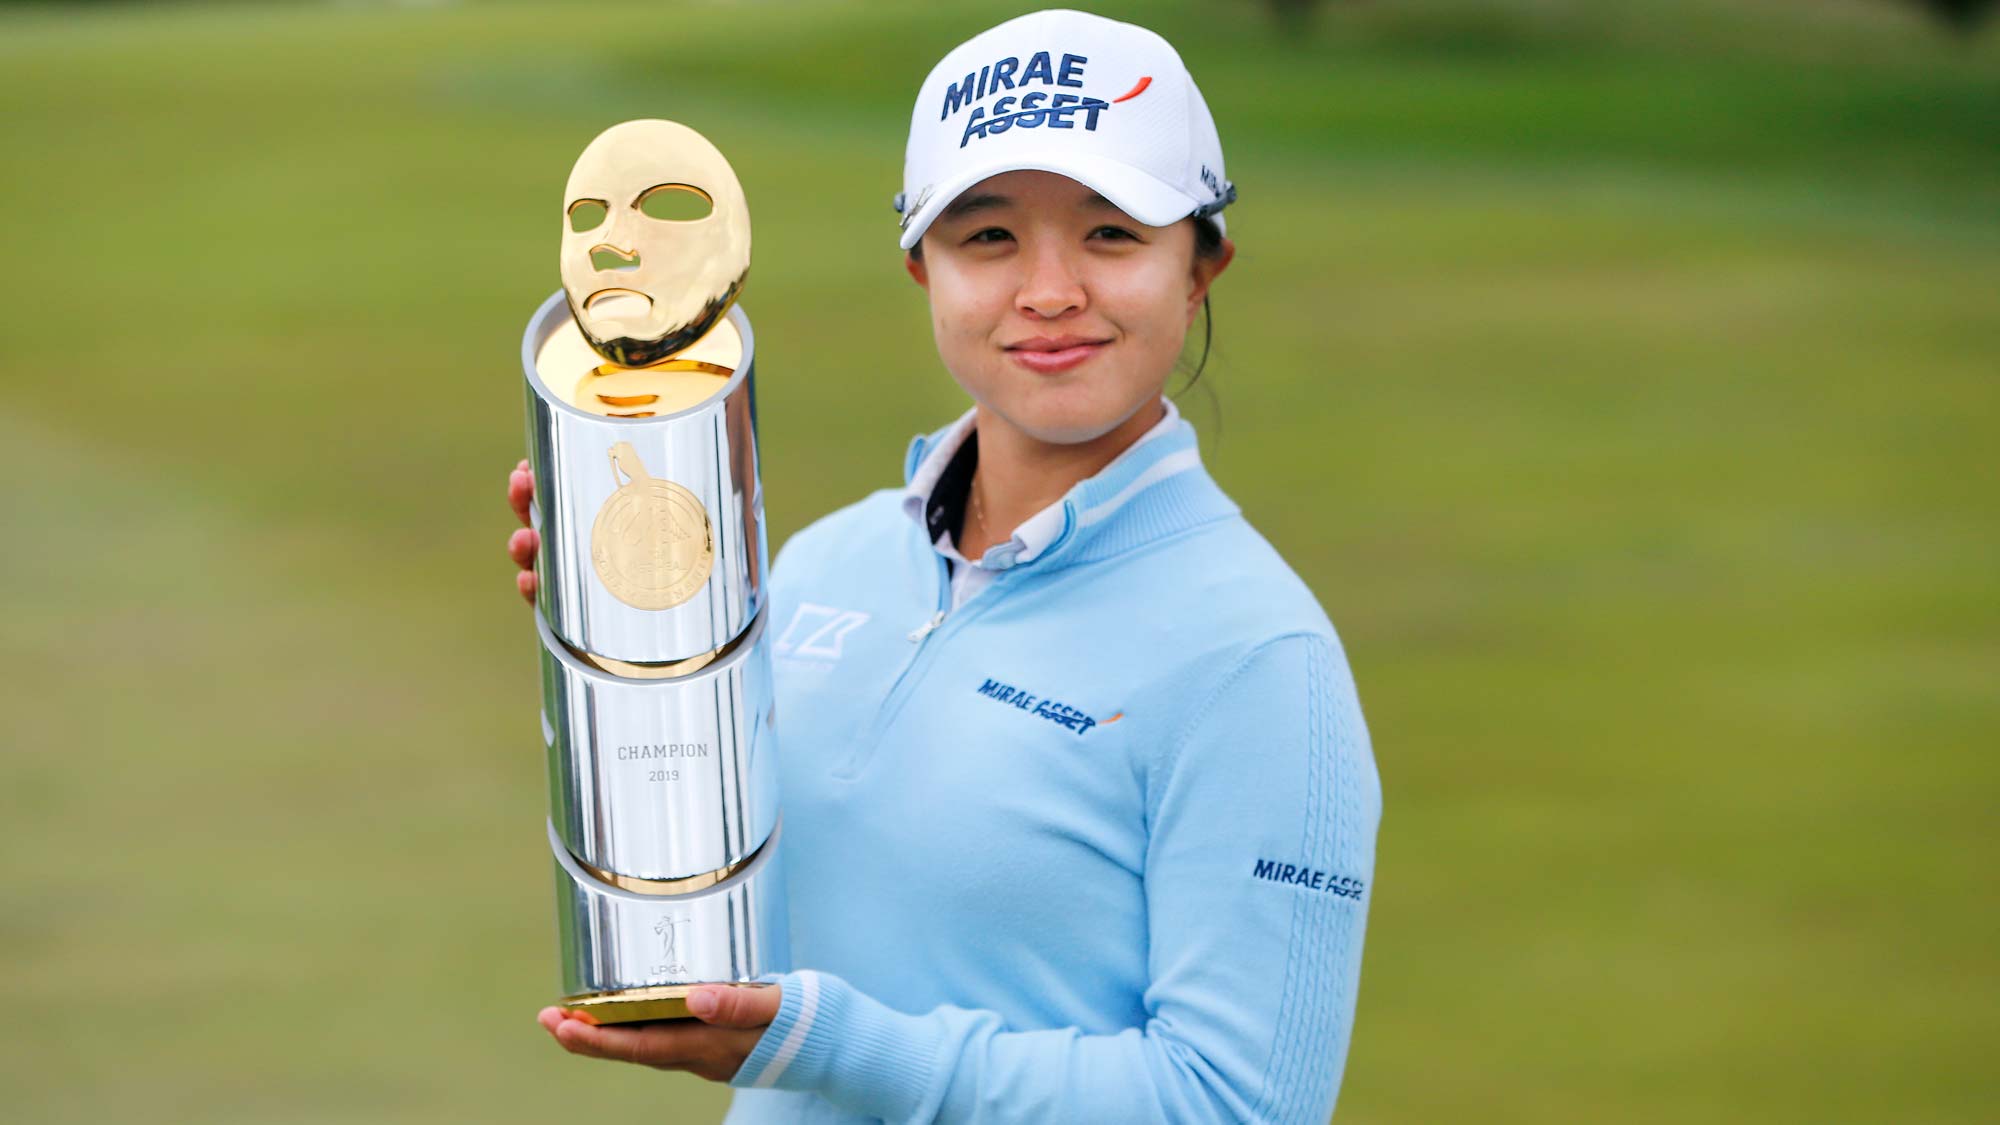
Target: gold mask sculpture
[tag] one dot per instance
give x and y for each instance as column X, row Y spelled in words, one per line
column 643, row 288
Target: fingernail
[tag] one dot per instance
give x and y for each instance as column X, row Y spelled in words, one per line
column 703, row 1002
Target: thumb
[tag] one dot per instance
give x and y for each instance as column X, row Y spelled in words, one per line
column 729, row 1005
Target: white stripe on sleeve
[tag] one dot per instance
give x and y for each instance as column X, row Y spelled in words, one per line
column 808, row 1005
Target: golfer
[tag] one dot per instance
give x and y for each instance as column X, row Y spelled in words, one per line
column 1080, row 810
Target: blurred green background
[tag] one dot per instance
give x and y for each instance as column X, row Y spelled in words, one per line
column 1622, row 376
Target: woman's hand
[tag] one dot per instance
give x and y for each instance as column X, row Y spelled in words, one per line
column 713, row 1045
column 521, row 546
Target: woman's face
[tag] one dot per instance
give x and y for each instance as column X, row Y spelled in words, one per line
column 1055, row 310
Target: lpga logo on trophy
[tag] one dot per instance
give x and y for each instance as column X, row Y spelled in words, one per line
column 656, row 675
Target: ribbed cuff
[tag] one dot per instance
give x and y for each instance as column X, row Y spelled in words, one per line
column 850, row 1048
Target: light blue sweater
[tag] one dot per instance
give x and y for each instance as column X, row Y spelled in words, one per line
column 1096, row 847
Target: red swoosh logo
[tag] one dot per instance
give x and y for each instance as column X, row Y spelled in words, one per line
column 1136, row 90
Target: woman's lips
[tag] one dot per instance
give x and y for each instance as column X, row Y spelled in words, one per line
column 1050, row 362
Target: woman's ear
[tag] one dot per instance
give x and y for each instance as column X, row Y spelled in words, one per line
column 1206, row 270
column 915, row 265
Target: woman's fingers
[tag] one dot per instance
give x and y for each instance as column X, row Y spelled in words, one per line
column 520, row 490
column 714, row 1053
column 740, row 1006
column 669, row 1045
column 580, row 1038
column 521, row 547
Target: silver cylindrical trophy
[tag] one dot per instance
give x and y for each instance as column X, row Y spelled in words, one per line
column 656, row 667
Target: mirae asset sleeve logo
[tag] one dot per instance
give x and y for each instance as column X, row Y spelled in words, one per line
column 1326, row 882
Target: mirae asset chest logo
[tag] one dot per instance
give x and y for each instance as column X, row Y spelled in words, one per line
column 1059, row 713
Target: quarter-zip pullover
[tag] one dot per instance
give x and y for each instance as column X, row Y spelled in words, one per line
column 1096, row 845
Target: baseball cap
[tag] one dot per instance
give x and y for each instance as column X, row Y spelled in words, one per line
column 1106, row 103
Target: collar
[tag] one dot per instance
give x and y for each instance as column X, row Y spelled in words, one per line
column 1153, row 487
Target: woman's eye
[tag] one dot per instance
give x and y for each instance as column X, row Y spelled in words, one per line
column 1117, row 232
column 980, row 236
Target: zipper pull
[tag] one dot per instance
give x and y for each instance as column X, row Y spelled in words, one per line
column 920, row 632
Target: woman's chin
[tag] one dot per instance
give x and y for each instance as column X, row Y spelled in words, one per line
column 1055, row 423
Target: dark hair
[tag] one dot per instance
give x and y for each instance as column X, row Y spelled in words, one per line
column 1207, row 244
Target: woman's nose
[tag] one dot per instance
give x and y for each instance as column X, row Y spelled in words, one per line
column 1052, row 285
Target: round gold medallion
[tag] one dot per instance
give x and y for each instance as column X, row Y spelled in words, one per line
column 651, row 542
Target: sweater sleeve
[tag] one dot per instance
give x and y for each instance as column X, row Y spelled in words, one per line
column 1260, row 852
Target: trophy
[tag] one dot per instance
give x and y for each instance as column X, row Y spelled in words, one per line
column 656, row 672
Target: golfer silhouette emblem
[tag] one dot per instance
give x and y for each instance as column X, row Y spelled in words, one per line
column 651, row 543
column 670, row 965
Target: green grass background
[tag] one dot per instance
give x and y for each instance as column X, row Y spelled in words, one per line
column 1621, row 376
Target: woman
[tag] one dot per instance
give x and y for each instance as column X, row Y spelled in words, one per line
column 1080, row 809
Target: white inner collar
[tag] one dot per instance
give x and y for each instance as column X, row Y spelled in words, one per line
column 1035, row 533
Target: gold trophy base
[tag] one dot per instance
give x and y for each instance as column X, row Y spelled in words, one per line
column 634, row 1005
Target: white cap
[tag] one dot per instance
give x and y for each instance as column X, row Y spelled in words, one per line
column 1106, row 103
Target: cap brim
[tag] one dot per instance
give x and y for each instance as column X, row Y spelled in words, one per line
column 1138, row 194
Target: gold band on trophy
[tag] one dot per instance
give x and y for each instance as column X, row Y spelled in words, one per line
column 633, row 1005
